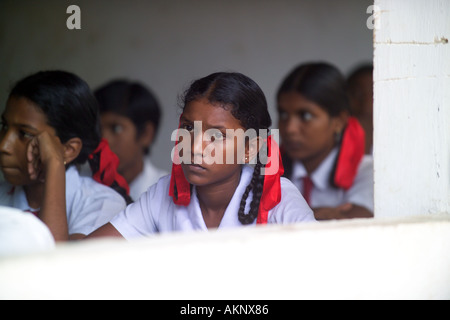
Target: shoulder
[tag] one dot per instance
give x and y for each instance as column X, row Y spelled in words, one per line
column 365, row 171
column 148, row 177
column 154, row 171
column 156, row 199
column 90, row 187
column 91, row 195
column 366, row 163
column 287, row 185
column 292, row 206
column 159, row 188
column 143, row 216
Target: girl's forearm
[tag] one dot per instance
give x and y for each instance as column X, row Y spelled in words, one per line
column 53, row 209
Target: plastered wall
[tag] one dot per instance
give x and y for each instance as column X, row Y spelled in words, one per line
column 412, row 108
column 168, row 43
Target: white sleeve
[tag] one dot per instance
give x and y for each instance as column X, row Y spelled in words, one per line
column 91, row 212
column 292, row 207
column 361, row 192
column 141, row 218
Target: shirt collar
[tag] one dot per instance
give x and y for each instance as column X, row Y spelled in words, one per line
column 321, row 175
column 230, row 217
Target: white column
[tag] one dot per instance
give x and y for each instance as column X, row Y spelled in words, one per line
column 412, row 107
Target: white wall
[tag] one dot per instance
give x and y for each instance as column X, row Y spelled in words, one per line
column 168, row 43
column 412, row 108
column 355, row 259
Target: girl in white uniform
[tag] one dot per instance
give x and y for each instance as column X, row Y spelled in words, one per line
column 323, row 148
column 202, row 195
column 50, row 125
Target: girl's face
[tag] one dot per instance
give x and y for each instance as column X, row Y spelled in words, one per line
column 307, row 131
column 203, row 145
column 21, row 121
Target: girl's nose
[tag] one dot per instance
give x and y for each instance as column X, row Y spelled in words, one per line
column 6, row 142
column 292, row 125
column 197, row 144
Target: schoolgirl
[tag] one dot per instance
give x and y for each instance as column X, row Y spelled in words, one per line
column 49, row 126
column 130, row 116
column 200, row 195
column 323, row 147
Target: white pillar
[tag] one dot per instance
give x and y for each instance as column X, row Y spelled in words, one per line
column 412, row 107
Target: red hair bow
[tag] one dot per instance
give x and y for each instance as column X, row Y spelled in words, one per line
column 271, row 194
column 350, row 154
column 108, row 163
column 180, row 188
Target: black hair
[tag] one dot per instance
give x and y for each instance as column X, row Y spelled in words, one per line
column 354, row 83
column 249, row 106
column 362, row 69
column 323, row 84
column 70, row 107
column 132, row 100
column 319, row 82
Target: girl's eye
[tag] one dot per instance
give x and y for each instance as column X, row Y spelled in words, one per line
column 214, row 134
column 187, row 127
column 27, row 135
column 306, row 116
column 117, row 128
column 217, row 135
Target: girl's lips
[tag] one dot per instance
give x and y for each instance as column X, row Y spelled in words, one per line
column 293, row 145
column 195, row 167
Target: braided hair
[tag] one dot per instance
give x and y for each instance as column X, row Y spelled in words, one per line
column 249, row 106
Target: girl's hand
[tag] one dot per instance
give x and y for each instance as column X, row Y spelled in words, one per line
column 45, row 156
column 44, row 150
column 344, row 211
column 328, row 213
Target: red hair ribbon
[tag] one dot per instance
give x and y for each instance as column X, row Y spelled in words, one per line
column 108, row 163
column 350, row 154
column 178, row 180
column 271, row 194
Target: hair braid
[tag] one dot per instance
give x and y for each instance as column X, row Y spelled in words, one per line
column 94, row 164
column 256, row 186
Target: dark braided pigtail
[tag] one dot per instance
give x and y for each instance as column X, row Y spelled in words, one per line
column 256, row 186
column 94, row 164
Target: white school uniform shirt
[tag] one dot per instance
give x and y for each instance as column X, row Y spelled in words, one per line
column 22, row 233
column 156, row 212
column 89, row 204
column 324, row 195
column 149, row 176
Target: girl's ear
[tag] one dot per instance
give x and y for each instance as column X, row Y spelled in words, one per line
column 72, row 149
column 340, row 122
column 252, row 148
column 147, row 135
